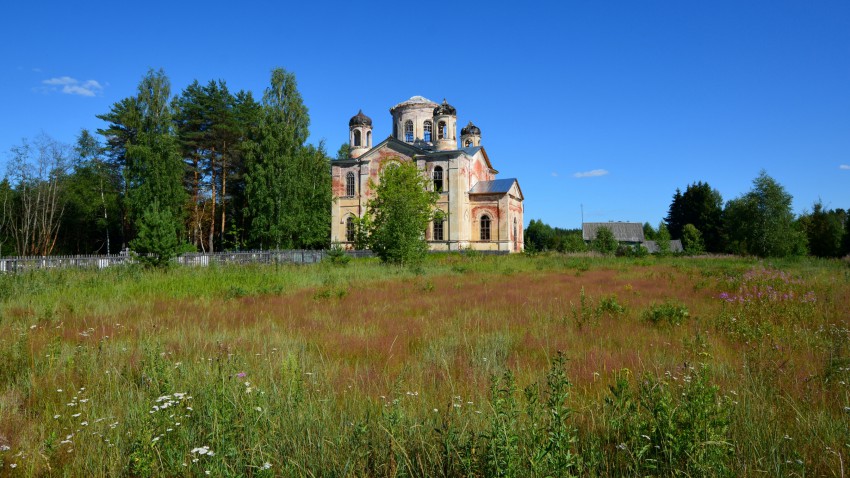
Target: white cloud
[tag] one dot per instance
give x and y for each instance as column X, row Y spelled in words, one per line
column 62, row 80
column 591, row 174
column 72, row 86
column 844, row 166
column 554, row 174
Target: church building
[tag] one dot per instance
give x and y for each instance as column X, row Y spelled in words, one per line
column 479, row 211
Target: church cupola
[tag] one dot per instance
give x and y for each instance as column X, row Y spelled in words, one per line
column 445, row 123
column 360, row 134
column 470, row 136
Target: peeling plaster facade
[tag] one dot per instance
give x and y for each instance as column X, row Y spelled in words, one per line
column 474, row 203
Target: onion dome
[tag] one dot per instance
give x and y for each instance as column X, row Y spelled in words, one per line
column 445, row 109
column 470, row 129
column 360, row 119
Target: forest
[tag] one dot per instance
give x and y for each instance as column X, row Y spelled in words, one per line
column 758, row 223
column 205, row 169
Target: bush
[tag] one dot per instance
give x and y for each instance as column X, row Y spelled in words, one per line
column 673, row 313
column 337, row 255
column 692, row 241
column 604, row 243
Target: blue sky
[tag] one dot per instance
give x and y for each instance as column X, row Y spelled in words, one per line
column 607, row 104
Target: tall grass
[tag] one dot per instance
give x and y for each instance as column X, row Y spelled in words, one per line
column 470, row 366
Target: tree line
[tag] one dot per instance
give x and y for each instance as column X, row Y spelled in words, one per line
column 760, row 222
column 203, row 170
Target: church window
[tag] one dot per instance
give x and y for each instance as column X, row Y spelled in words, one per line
column 438, row 229
column 349, row 184
column 442, row 130
column 468, row 143
column 368, row 139
column 485, row 228
column 438, row 179
column 356, row 138
column 408, row 131
column 427, row 127
column 349, row 229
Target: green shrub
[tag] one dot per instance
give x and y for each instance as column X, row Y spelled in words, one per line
column 671, row 312
column 337, row 255
column 605, row 242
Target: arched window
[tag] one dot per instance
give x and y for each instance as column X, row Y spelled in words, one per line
column 349, row 229
column 356, row 138
column 438, row 179
column 408, row 131
column 485, row 228
column 468, row 143
column 426, row 128
column 368, row 139
column 442, row 131
column 438, row 229
column 349, row 184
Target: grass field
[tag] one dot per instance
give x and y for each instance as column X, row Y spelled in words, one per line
column 470, row 366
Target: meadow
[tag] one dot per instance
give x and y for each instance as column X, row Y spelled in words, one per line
column 548, row 365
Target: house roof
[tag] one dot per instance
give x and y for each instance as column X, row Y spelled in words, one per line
column 623, row 231
column 498, row 186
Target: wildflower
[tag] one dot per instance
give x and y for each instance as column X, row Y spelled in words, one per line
column 56, row 416
column 259, row 409
column 13, row 465
column 76, row 415
column 202, row 450
column 85, row 424
column 241, row 374
column 266, row 465
column 4, row 448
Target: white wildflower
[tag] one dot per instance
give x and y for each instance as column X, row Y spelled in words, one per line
column 202, row 450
